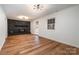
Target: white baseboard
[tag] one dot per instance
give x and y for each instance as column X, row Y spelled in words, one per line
column 63, row 42
column 0, row 48
column 1, row 45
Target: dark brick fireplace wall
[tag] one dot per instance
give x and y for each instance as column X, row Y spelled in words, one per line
column 16, row 27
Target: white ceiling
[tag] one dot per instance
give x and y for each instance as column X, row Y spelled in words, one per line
column 14, row 10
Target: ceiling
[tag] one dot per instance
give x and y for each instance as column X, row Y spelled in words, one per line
column 14, row 10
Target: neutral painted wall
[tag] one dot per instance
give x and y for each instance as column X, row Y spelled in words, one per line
column 3, row 27
column 66, row 26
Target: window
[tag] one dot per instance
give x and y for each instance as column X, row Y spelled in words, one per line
column 51, row 24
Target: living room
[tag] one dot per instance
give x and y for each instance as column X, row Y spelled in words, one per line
column 39, row 29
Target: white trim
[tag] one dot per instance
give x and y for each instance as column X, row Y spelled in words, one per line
column 2, row 43
column 0, row 48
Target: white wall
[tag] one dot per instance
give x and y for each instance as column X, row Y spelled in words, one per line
column 3, row 27
column 66, row 26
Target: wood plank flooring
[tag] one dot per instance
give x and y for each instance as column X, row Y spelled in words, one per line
column 27, row 45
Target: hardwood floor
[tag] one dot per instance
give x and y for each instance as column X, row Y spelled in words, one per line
column 27, row 45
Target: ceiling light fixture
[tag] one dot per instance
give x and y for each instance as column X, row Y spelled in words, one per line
column 38, row 6
column 22, row 17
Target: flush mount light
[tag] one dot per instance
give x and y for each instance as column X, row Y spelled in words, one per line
column 22, row 17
